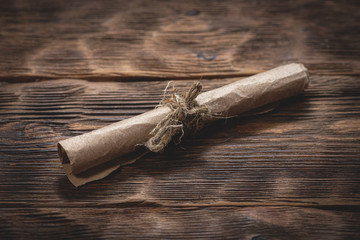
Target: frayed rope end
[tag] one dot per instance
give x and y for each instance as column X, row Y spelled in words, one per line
column 186, row 117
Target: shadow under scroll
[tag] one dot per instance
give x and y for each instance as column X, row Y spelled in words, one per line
column 126, row 181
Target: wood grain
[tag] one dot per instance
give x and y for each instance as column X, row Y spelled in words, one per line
column 138, row 222
column 292, row 173
column 132, row 40
column 303, row 154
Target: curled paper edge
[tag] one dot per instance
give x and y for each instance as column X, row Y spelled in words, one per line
column 100, row 171
column 92, row 159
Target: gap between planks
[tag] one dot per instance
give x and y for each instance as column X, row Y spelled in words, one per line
column 119, row 78
column 354, row 206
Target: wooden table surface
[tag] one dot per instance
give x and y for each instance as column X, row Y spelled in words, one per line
column 68, row 67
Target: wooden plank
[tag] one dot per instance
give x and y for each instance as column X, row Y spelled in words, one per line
column 253, row 223
column 305, row 153
column 129, row 40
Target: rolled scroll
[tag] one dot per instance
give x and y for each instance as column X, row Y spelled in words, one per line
column 94, row 155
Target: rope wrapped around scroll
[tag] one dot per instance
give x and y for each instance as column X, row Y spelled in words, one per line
column 94, row 155
column 186, row 117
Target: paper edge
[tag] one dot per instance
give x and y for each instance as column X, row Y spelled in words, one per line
column 100, row 171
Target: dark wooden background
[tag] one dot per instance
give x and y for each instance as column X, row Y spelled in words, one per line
column 68, row 67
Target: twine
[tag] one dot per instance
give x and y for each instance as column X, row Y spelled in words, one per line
column 186, row 117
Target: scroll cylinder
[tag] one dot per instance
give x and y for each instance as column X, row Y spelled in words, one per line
column 81, row 153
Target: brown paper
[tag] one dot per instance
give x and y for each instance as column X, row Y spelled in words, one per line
column 96, row 154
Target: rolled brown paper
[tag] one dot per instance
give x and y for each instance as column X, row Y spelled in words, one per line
column 94, row 155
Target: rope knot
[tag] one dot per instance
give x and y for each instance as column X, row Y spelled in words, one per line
column 186, row 117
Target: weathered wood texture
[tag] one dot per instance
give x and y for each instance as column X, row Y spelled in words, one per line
column 293, row 173
column 175, row 39
column 255, row 223
column 245, row 177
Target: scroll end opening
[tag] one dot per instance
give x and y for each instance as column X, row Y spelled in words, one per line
column 62, row 154
column 307, row 81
